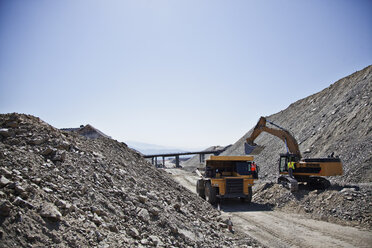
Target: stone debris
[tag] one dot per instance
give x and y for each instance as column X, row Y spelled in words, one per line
column 339, row 204
column 339, row 125
column 4, row 181
column 336, row 120
column 333, row 122
column 51, row 212
column 60, row 189
column 5, row 207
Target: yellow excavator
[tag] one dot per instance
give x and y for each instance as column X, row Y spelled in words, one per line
column 308, row 170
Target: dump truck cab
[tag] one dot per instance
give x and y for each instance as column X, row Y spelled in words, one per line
column 228, row 177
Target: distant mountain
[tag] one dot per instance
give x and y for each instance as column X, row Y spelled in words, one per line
column 149, row 149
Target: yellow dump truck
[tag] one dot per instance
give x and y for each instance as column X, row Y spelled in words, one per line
column 227, row 177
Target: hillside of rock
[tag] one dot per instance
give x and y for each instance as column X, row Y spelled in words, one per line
column 349, row 205
column 338, row 119
column 60, row 189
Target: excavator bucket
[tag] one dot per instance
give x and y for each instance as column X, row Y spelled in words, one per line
column 252, row 149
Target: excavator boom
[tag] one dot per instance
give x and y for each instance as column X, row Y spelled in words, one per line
column 281, row 133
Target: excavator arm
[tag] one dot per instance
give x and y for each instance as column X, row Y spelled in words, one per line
column 281, row 133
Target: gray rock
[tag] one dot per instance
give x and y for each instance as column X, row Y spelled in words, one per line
column 97, row 220
column 347, row 190
column 152, row 196
column 64, row 145
column 63, row 204
column 113, row 228
column 50, row 211
column 142, row 198
column 19, row 190
column 100, row 237
column 177, row 207
column 4, row 181
column 2, row 195
column 11, row 185
column 222, row 225
column 12, row 124
column 59, row 156
column 133, row 232
column 38, row 141
column 5, row 207
column 144, row 242
column 143, row 214
column 47, row 190
column 5, row 132
column 5, row 172
column 37, row 180
column 155, row 240
column 154, row 211
column 18, row 201
column 48, row 151
column 173, row 228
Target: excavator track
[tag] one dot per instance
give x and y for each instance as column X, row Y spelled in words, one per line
column 318, row 183
column 289, row 183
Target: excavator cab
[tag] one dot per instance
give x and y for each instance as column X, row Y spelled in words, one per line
column 284, row 159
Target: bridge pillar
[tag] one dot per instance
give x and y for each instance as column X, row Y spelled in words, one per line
column 156, row 161
column 152, row 160
column 163, row 162
column 177, row 161
column 201, row 158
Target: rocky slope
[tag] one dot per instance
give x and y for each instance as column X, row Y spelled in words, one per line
column 349, row 205
column 59, row 189
column 338, row 119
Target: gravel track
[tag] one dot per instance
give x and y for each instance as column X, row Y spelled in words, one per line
column 278, row 229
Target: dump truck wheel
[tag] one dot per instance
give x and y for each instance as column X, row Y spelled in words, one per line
column 210, row 193
column 200, row 188
column 247, row 199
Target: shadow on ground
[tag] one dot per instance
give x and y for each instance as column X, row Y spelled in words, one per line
column 235, row 205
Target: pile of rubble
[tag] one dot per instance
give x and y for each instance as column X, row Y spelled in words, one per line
column 336, row 120
column 58, row 188
column 350, row 205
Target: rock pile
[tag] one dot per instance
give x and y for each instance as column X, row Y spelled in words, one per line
column 58, row 188
column 337, row 119
column 350, row 205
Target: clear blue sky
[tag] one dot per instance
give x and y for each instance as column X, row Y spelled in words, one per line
column 174, row 73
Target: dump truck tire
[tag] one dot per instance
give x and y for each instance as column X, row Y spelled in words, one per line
column 247, row 199
column 210, row 193
column 200, row 188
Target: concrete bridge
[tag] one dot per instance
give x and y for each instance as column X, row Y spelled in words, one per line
column 154, row 157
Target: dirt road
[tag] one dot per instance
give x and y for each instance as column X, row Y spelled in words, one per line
column 279, row 229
